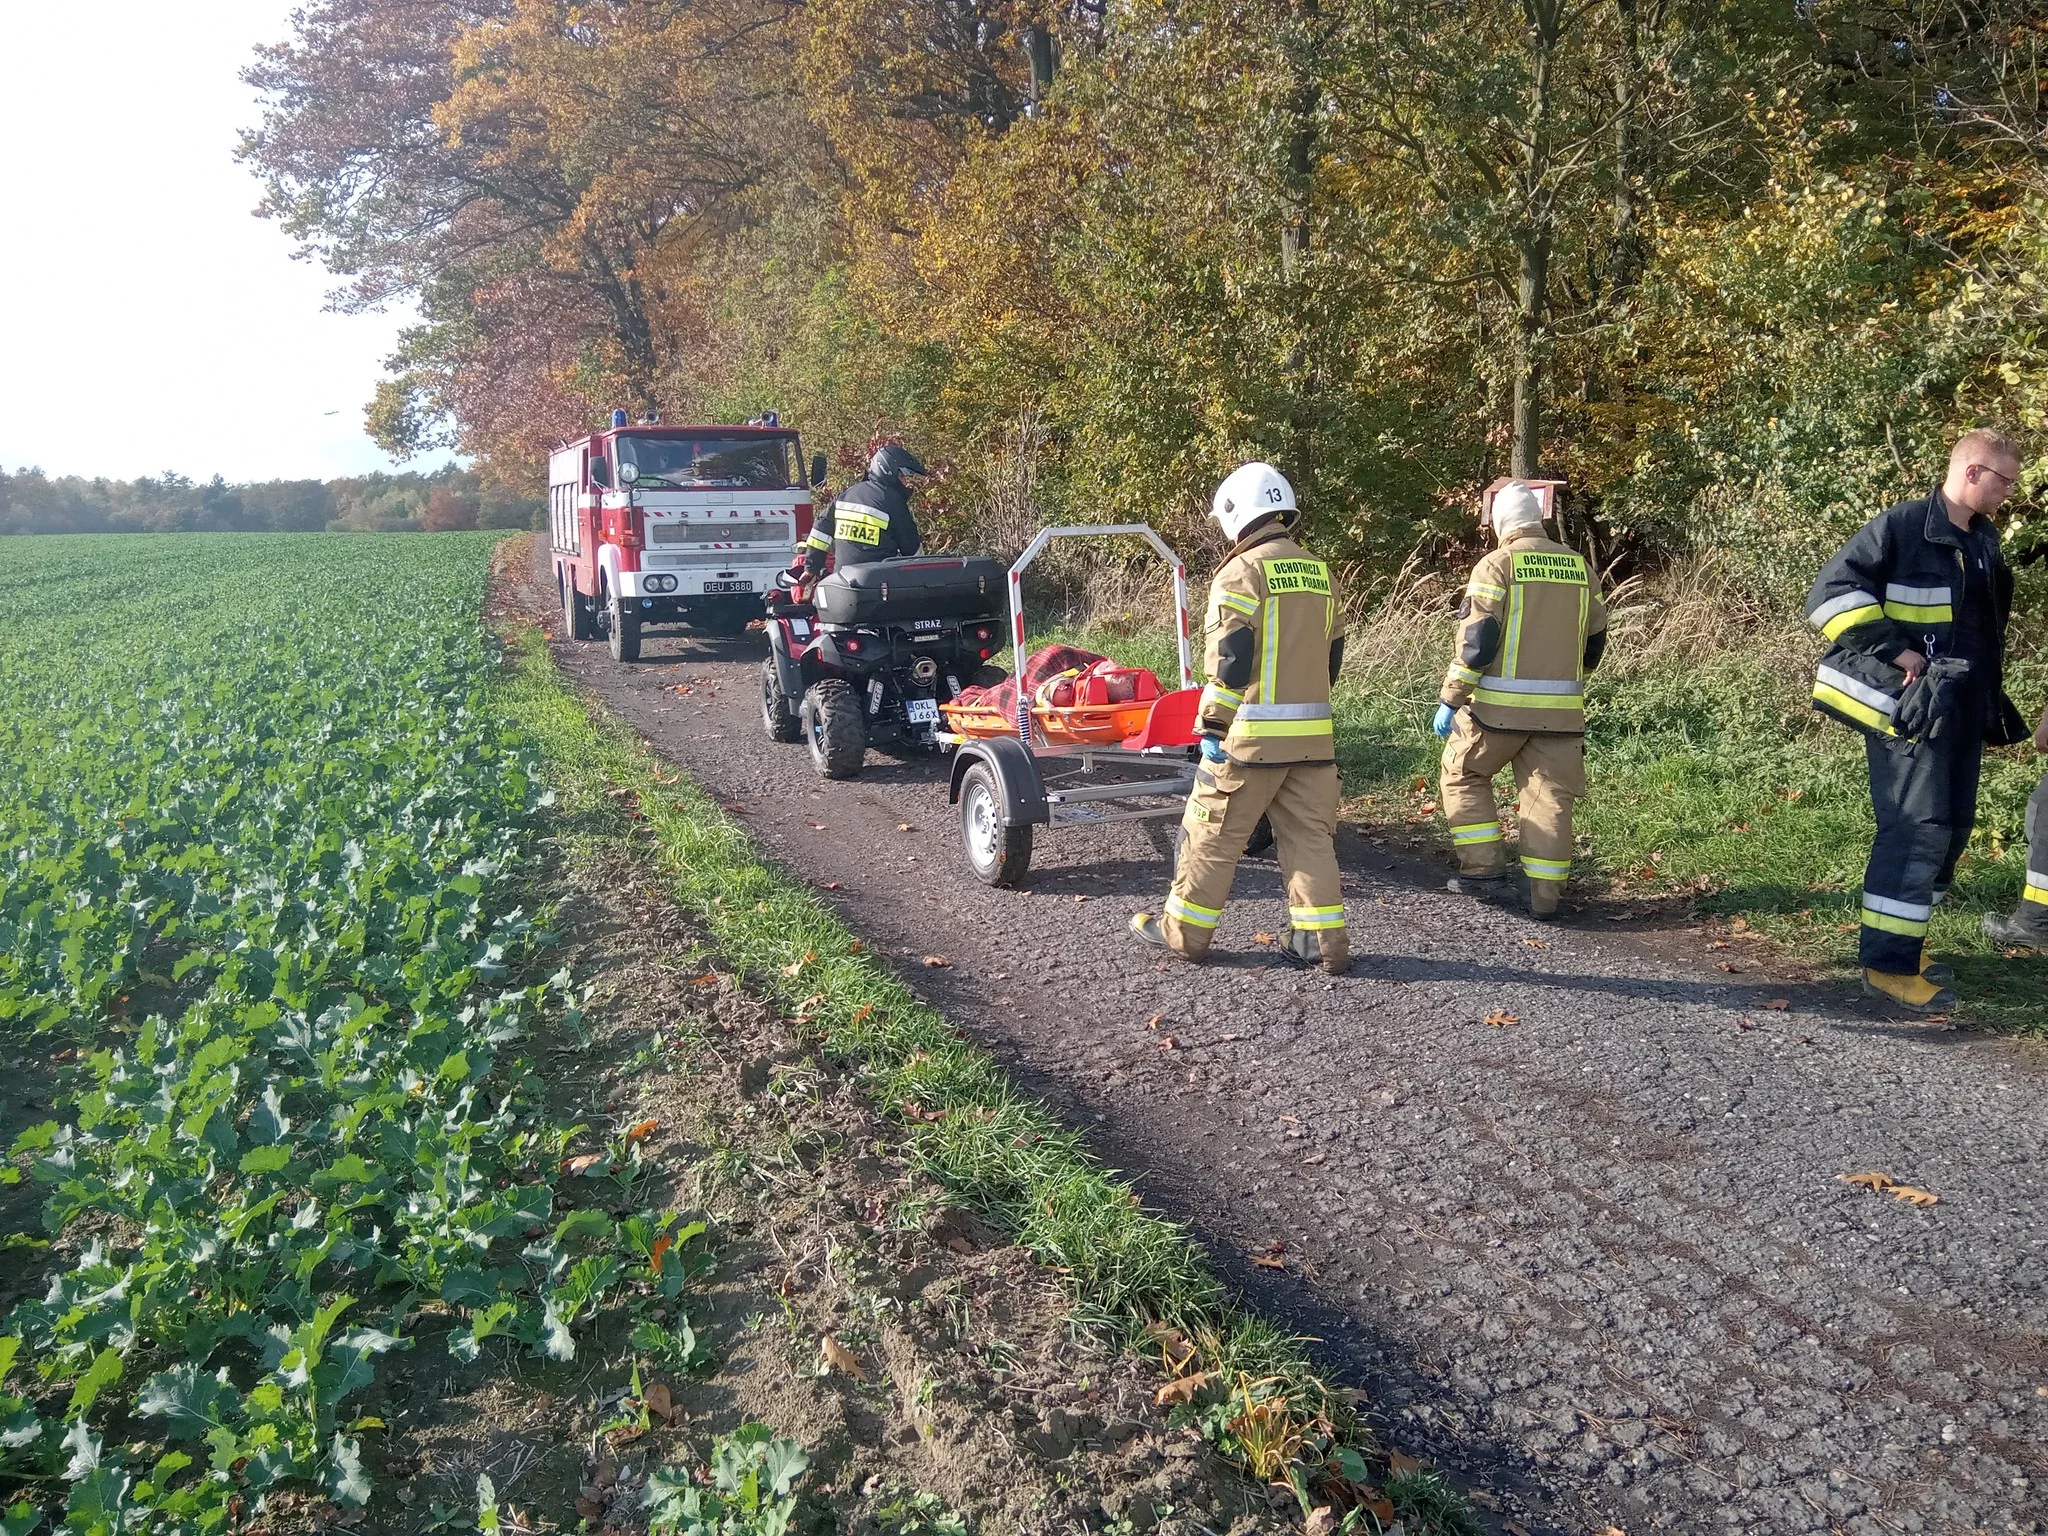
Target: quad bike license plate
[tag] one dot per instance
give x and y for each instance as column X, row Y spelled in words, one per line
column 922, row 711
column 727, row 586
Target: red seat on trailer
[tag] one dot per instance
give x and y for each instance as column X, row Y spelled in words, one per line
column 1172, row 722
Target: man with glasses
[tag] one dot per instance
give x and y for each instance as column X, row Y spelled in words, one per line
column 1916, row 607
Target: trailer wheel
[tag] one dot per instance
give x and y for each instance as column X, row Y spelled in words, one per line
column 576, row 622
column 779, row 719
column 625, row 630
column 999, row 855
column 835, row 729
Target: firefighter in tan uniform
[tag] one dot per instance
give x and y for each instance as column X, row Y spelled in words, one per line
column 1275, row 641
column 1531, row 627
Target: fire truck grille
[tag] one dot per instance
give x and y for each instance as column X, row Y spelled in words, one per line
column 773, row 533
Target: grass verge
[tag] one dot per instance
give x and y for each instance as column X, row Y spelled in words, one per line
column 1132, row 1274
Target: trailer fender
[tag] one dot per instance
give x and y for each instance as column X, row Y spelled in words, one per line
column 1016, row 773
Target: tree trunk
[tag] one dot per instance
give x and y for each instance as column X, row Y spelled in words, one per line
column 1526, row 452
column 1625, row 258
column 1533, row 240
column 1039, row 50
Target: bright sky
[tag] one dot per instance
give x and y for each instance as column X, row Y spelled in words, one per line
column 147, row 321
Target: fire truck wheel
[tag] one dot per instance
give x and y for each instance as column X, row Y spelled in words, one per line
column 625, row 631
column 999, row 855
column 576, row 623
column 835, row 729
column 776, row 714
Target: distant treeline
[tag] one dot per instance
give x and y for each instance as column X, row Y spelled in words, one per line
column 448, row 499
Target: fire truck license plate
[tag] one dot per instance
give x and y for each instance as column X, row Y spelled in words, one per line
column 922, row 711
column 728, row 586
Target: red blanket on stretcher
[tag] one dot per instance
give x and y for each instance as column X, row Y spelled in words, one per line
column 1046, row 662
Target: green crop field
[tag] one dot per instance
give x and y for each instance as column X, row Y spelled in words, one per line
column 257, row 833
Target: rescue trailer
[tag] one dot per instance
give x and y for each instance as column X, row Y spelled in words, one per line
column 653, row 524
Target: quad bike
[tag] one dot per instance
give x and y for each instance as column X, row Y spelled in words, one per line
column 865, row 657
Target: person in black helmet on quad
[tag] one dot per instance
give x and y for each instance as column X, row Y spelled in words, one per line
column 871, row 519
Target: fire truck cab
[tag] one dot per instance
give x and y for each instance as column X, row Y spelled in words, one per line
column 652, row 524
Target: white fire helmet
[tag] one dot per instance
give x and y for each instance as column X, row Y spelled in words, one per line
column 1248, row 493
column 1515, row 505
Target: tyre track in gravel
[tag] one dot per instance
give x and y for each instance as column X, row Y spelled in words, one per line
column 1597, row 1261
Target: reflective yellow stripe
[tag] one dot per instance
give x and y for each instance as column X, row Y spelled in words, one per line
column 1216, row 693
column 1531, row 700
column 1463, row 673
column 1317, row 917
column 1269, row 667
column 1245, row 727
column 1855, row 709
column 1486, row 589
column 1886, row 923
column 1477, row 832
column 818, row 541
column 1546, row 869
column 2037, row 890
column 1914, row 613
column 1192, row 915
column 1244, row 605
column 1841, row 623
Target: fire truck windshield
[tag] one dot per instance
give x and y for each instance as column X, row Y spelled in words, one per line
column 674, row 463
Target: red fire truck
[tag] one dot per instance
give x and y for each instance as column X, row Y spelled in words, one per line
column 653, row 524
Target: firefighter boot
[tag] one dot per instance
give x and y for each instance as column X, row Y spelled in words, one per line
column 1329, row 948
column 1934, row 973
column 2027, row 928
column 1147, row 928
column 1550, row 771
column 1913, row 993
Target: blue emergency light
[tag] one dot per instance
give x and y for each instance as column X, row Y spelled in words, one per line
column 618, row 418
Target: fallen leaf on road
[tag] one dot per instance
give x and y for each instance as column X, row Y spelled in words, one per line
column 831, row 885
column 1402, row 1466
column 1778, row 1004
column 1885, row 1184
column 1614, row 1530
column 1262, row 938
column 1264, row 1262
column 1745, row 1023
column 642, row 1131
column 1168, row 1043
column 1181, row 1389
column 1155, row 1021
column 937, row 962
column 1500, row 1018
column 1912, row 1196
column 816, row 826
column 659, row 1402
column 904, row 826
column 1876, row 1181
column 912, row 1110
column 1322, row 1521
column 796, row 966
column 583, row 1161
column 1383, row 1511
column 1720, row 944
column 1537, row 943
column 841, row 1359
column 706, row 981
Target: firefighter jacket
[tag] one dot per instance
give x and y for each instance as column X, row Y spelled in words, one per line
column 870, row 521
column 1275, row 641
column 1530, row 628
column 1895, row 587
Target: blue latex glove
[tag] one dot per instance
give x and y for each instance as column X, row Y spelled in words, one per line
column 1212, row 749
column 1442, row 723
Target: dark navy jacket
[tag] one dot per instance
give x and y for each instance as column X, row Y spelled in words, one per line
column 1895, row 587
column 870, row 521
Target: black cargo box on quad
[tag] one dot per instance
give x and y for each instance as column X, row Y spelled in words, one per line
column 920, row 587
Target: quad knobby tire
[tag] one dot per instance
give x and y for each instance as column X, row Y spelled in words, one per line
column 624, row 628
column 998, row 855
column 835, row 729
column 576, row 621
column 778, row 716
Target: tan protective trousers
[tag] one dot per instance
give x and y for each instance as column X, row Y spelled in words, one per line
column 1228, row 800
column 1550, row 772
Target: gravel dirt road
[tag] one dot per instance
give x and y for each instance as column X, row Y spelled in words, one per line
column 1598, row 1261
